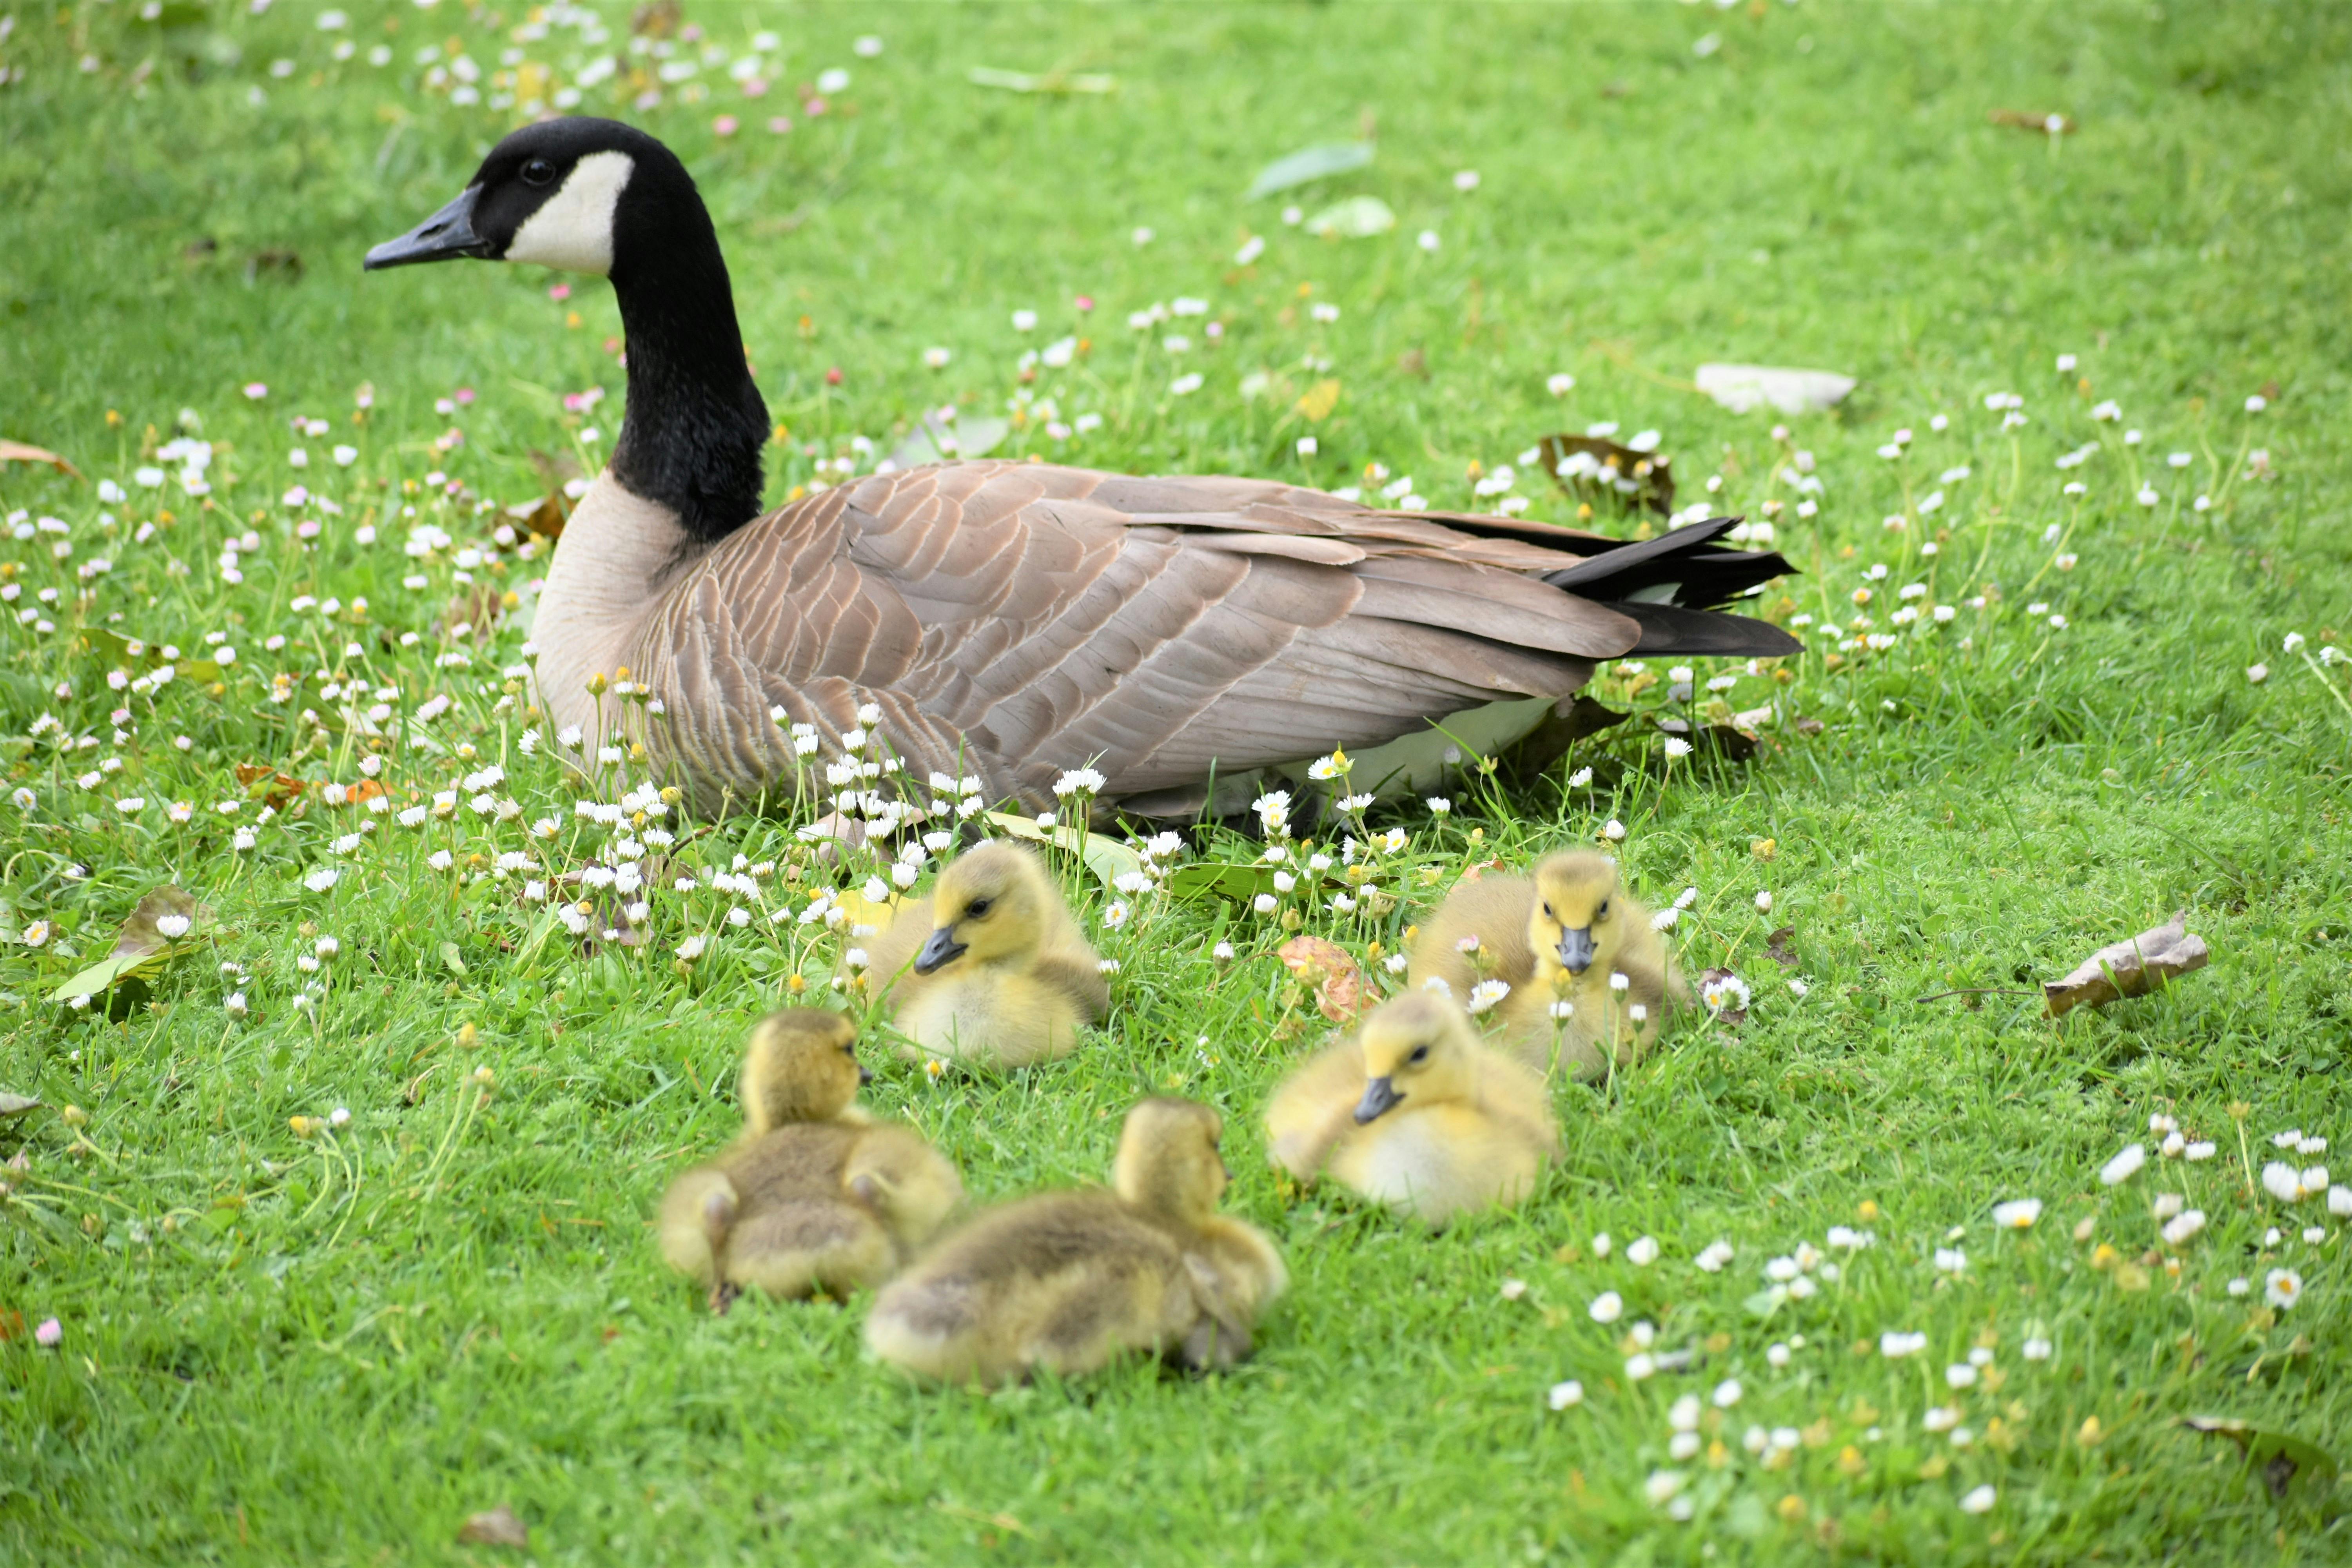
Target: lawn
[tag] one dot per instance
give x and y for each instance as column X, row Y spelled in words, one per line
column 341, row 1249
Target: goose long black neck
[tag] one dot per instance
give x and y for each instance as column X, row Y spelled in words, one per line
column 696, row 423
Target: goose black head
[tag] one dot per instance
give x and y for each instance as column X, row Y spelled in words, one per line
column 605, row 198
column 552, row 193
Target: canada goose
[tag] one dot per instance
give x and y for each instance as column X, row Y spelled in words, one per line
column 816, row 1195
column 1416, row 1113
column 991, row 970
column 1009, row 619
column 1069, row 1282
column 1557, row 938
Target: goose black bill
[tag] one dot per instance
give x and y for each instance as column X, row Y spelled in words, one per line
column 942, row 949
column 1380, row 1097
column 447, row 234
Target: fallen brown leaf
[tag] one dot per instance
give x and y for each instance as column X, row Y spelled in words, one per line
column 17, row 1104
column 1571, row 719
column 497, row 1527
column 658, row 19
column 2132, row 968
column 2026, row 119
column 2280, row 1459
column 1340, row 994
column 1732, row 1016
column 1776, row 947
column 260, row 782
column 1632, row 480
column 18, row 452
column 478, row 607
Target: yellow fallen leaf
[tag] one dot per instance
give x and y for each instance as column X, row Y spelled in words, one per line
column 1315, row 405
column 862, row 911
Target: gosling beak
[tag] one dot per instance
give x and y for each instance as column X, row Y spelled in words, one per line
column 1576, row 950
column 942, row 949
column 446, row 233
column 1380, row 1097
column 864, row 1075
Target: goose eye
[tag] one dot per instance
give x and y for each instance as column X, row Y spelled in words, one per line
column 1419, row 1053
column 539, row 172
column 977, row 908
column 1602, row 913
column 1547, row 914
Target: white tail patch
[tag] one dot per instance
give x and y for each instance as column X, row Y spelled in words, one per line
column 573, row 230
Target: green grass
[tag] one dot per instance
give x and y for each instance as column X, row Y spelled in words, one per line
column 333, row 1350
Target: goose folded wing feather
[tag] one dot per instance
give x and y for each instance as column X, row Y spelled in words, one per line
column 1014, row 609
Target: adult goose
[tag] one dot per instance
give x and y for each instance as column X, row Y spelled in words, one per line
column 1011, row 619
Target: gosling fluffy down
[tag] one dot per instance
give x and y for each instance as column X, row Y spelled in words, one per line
column 991, row 970
column 815, row 1196
column 1069, row 1281
column 1416, row 1113
column 1556, row 937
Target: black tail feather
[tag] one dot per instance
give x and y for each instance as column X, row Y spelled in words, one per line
column 1676, row 568
column 1671, row 629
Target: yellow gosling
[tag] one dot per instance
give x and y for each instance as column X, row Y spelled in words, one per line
column 1416, row 1113
column 991, row 970
column 1067, row 1282
column 1559, row 939
column 816, row 1196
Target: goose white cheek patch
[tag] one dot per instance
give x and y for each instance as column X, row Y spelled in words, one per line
column 573, row 230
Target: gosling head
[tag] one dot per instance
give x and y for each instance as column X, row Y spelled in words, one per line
column 1417, row 1046
column 1168, row 1160
column 989, row 903
column 800, row 1065
column 581, row 195
column 1577, row 920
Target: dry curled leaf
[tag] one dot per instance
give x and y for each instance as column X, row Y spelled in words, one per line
column 18, row 452
column 1590, row 466
column 267, row 786
column 1315, row 405
column 2132, row 968
column 140, row 945
column 1340, row 994
column 1734, row 1017
column 17, row 1104
column 477, row 608
column 544, row 517
column 495, row 1527
column 1571, row 719
column 658, row 19
column 2289, row 1466
column 2026, row 119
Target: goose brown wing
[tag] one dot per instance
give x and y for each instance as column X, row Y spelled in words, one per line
column 1025, row 617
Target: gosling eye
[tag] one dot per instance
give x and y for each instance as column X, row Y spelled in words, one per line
column 1602, row 913
column 1547, row 914
column 1420, row 1055
column 977, row 909
column 537, row 171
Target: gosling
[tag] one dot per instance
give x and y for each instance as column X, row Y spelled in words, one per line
column 995, row 973
column 816, row 1196
column 1558, row 940
column 1416, row 1113
column 1067, row 1282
